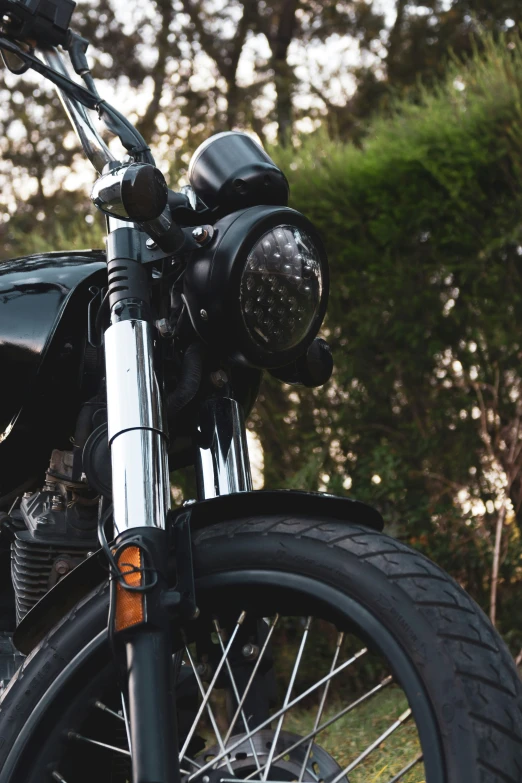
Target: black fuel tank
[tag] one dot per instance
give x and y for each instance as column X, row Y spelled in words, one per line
column 43, row 321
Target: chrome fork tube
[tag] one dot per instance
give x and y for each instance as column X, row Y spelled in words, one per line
column 140, row 478
column 137, row 434
column 222, row 464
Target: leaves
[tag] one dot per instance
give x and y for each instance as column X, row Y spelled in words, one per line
column 423, row 230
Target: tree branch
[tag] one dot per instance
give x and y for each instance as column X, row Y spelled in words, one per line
column 195, row 12
column 146, row 125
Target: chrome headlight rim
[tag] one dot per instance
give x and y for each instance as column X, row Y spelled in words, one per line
column 213, row 279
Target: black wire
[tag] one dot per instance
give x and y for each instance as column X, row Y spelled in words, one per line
column 111, row 552
column 72, row 88
column 116, row 122
column 91, row 86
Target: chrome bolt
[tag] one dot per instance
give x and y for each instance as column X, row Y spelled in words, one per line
column 163, row 327
column 196, row 613
column 204, row 314
column 200, row 234
column 57, row 503
column 7, row 19
column 150, row 243
column 250, row 651
column 219, row 378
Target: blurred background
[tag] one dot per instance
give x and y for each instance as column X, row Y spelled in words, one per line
column 399, row 125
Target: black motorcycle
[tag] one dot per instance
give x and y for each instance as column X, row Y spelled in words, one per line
column 245, row 635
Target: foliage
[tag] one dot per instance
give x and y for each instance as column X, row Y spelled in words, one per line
column 183, row 69
column 424, row 233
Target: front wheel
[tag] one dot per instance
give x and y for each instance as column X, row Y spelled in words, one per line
column 324, row 653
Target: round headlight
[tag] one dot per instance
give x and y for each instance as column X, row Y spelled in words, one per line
column 257, row 292
column 280, row 290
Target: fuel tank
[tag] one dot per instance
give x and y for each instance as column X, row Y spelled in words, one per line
column 43, row 326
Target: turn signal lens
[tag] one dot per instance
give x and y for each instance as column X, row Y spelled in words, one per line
column 129, row 605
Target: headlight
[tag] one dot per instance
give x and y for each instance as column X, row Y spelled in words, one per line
column 280, row 290
column 258, row 291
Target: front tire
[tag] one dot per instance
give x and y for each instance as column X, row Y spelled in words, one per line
column 461, row 675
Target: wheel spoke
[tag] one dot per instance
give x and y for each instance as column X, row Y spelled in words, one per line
column 191, row 761
column 320, row 710
column 387, row 681
column 251, row 679
column 74, row 735
column 209, row 691
column 104, row 708
column 210, row 712
column 406, row 769
column 219, row 632
column 287, row 697
column 126, row 720
column 364, row 755
column 281, row 711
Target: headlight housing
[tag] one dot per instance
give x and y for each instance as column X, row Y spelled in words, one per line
column 257, row 293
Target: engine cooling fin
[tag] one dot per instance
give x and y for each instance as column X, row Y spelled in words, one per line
column 36, row 567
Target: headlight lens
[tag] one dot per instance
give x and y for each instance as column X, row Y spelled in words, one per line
column 281, row 286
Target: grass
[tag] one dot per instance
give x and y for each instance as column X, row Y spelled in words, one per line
column 349, row 736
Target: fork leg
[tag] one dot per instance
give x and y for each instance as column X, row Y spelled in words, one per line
column 139, row 618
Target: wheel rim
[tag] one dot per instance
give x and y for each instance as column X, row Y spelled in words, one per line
column 262, row 592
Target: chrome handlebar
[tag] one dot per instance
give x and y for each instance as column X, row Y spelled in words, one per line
column 94, row 146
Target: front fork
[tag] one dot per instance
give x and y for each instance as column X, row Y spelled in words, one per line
column 139, row 621
column 139, row 616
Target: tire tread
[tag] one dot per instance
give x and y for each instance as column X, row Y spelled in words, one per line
column 466, row 632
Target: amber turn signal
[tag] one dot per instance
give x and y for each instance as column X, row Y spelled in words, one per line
column 129, row 604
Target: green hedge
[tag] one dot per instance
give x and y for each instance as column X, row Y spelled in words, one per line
column 423, row 226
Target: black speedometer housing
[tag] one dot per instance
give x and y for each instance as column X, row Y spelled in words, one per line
column 213, row 288
column 231, row 171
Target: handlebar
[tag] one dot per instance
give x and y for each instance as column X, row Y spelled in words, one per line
column 94, row 146
column 77, row 100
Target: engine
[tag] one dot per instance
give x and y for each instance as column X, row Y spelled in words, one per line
column 53, row 530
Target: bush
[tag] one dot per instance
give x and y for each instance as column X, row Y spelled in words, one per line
column 423, row 226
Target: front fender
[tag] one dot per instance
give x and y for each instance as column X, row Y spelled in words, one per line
column 93, row 571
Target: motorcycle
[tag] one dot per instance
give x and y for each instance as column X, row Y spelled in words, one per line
column 246, row 635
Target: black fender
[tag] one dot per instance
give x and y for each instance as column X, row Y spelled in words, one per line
column 93, row 571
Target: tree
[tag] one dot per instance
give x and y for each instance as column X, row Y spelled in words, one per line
column 196, row 67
